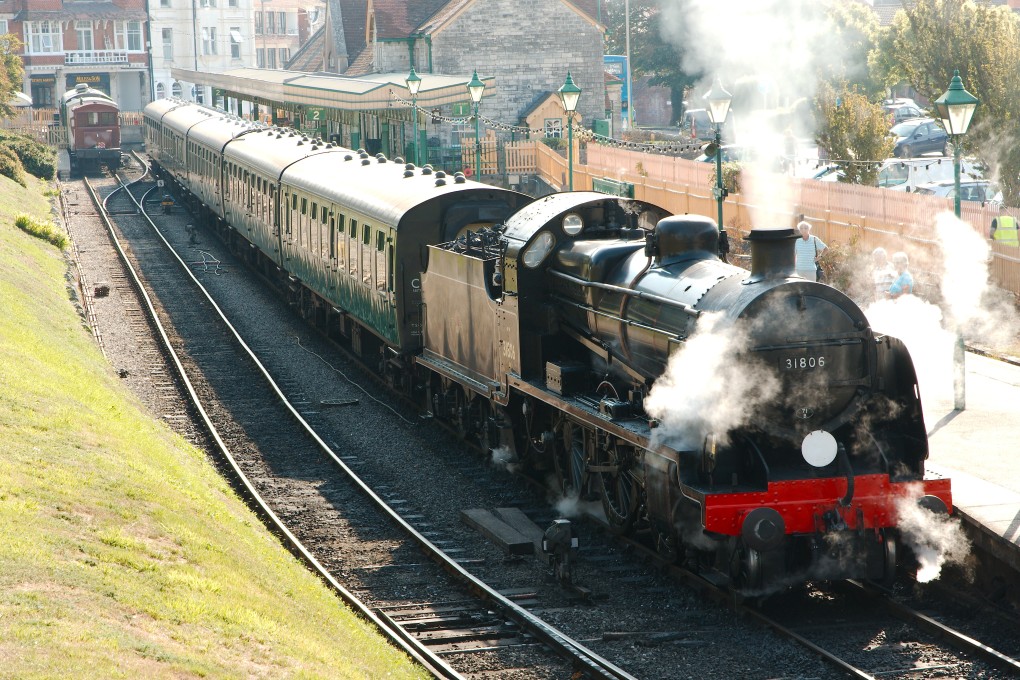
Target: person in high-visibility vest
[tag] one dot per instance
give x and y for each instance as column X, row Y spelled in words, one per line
column 1004, row 230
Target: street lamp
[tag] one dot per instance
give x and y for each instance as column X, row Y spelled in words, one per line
column 413, row 83
column 718, row 108
column 569, row 94
column 475, row 88
column 956, row 108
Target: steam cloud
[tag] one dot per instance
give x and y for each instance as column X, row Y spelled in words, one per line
column 936, row 539
column 704, row 391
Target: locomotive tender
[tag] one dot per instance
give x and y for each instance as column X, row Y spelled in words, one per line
column 91, row 120
column 546, row 327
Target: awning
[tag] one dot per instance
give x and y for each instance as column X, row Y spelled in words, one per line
column 235, row 37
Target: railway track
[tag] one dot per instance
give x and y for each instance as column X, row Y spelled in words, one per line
column 266, row 436
column 464, row 634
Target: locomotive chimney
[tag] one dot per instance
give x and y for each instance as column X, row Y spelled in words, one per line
column 772, row 254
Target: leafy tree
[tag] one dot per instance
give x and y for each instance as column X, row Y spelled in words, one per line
column 12, row 72
column 651, row 52
column 928, row 41
column 845, row 56
column 851, row 128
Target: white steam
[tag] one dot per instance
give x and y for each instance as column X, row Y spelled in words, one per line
column 767, row 54
column 503, row 458
column 936, row 539
column 704, row 390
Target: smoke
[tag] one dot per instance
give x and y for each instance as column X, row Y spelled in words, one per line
column 768, row 54
column 704, row 391
column 936, row 539
column 503, row 458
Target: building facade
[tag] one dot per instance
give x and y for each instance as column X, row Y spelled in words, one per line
column 101, row 44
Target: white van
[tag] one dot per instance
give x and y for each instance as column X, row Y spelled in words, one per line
column 906, row 174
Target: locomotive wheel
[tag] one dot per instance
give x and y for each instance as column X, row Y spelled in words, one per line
column 746, row 568
column 889, row 549
column 620, row 494
column 570, row 460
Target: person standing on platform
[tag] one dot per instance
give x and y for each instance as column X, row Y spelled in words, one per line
column 809, row 248
column 904, row 283
column 882, row 273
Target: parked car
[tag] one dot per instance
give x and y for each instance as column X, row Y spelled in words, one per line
column 918, row 136
column 730, row 152
column 695, row 124
column 899, row 110
column 978, row 190
column 906, row 174
column 833, row 172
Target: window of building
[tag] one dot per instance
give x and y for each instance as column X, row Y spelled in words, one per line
column 83, row 33
column 160, row 90
column 292, row 25
column 208, row 3
column 258, row 23
column 164, row 3
column 198, row 94
column 553, row 127
column 209, row 40
column 270, row 58
column 134, row 36
column 260, row 58
column 235, row 42
column 168, row 44
column 270, row 22
column 3, row 26
column 175, row 89
column 284, row 56
column 43, row 37
column 281, row 22
column 231, row 3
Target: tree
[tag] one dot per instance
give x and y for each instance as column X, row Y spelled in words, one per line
column 853, row 131
column 928, row 41
column 12, row 72
column 651, row 52
column 845, row 54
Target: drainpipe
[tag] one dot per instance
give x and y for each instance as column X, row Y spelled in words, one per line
column 148, row 56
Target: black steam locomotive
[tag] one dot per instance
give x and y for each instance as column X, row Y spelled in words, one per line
column 752, row 421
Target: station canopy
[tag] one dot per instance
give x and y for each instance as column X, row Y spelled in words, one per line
column 376, row 91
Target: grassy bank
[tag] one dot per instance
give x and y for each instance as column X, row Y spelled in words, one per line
column 122, row 552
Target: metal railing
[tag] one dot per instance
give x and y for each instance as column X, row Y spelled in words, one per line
column 77, row 57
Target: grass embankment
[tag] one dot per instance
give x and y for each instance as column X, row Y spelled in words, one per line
column 122, row 553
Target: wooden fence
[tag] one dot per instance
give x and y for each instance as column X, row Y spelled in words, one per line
column 838, row 212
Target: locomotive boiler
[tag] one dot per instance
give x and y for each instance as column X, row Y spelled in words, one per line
column 577, row 305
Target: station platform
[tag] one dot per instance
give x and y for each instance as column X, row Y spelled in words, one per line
column 979, row 449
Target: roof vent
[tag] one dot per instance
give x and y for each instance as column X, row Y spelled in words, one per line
column 409, row 166
column 348, row 157
column 459, row 178
column 363, row 154
column 440, row 174
column 381, row 158
column 408, row 173
column 398, row 159
column 426, row 170
column 366, row 161
column 440, row 182
column 361, row 150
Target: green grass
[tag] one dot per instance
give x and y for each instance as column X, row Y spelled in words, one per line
column 44, row 229
column 122, row 553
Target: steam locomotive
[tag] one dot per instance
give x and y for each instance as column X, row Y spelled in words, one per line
column 91, row 121
column 566, row 331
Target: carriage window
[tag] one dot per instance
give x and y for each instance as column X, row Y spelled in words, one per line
column 304, row 206
column 324, row 215
column 315, row 211
column 353, row 250
column 332, row 238
column 367, row 260
column 380, row 261
column 294, row 207
column 341, row 243
column 108, row 118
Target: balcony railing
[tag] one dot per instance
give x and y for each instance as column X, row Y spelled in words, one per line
column 73, row 57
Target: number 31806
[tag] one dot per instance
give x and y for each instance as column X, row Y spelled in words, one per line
column 801, row 363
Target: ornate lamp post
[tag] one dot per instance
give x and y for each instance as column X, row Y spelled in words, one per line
column 569, row 94
column 956, row 108
column 718, row 108
column 413, row 83
column 475, row 88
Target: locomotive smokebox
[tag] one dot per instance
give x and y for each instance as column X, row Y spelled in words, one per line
column 772, row 254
